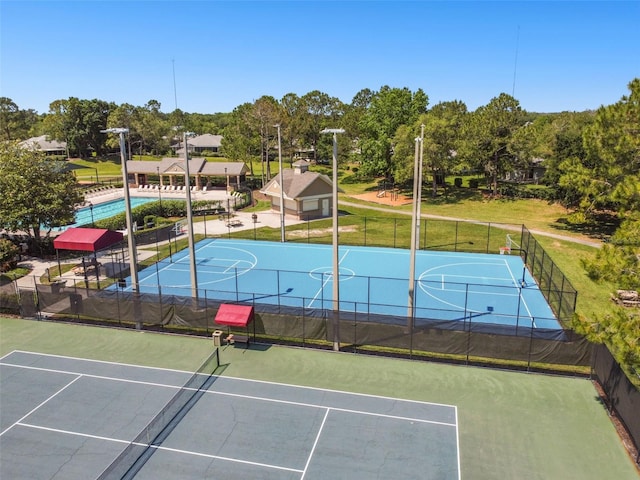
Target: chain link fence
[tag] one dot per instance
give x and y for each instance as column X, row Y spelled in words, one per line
column 432, row 334
column 455, row 341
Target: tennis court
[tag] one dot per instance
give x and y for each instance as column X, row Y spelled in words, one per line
column 70, row 418
column 485, row 288
column 510, row 424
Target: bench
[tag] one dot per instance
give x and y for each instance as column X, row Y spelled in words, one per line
column 234, row 338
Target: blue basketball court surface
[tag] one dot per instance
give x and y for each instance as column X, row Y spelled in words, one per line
column 468, row 287
column 71, row 418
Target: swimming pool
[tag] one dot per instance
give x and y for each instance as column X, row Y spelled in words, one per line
column 103, row 210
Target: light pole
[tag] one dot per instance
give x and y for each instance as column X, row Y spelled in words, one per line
column 159, row 189
column 91, row 209
column 336, row 268
column 192, row 252
column 282, row 239
column 127, row 204
column 415, row 226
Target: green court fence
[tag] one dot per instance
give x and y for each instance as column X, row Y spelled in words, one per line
column 556, row 288
column 429, row 337
column 621, row 396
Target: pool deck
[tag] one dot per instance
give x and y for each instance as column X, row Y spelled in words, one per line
column 213, row 227
column 243, row 220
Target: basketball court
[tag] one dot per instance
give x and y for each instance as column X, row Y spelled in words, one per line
column 467, row 287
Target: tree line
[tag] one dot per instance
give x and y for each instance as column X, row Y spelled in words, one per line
column 591, row 158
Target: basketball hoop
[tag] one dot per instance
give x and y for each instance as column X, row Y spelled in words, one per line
column 505, row 250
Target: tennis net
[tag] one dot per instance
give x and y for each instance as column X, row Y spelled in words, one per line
column 138, row 452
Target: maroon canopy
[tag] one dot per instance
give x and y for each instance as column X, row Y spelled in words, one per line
column 86, row 239
column 234, row 315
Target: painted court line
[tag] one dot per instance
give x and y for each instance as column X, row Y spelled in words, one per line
column 76, row 434
column 99, row 377
column 237, row 395
column 227, row 459
column 337, row 409
column 522, row 299
column 5, row 356
column 106, row 362
column 315, row 444
column 458, row 446
column 354, row 394
column 238, row 379
column 156, row 447
column 41, row 404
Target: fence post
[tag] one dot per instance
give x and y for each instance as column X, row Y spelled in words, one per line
column 488, row 237
column 466, row 297
column 277, row 286
column 424, row 243
column 236, row 279
column 355, row 328
column 365, row 231
column 455, row 238
column 118, row 305
column 304, row 323
column 395, row 225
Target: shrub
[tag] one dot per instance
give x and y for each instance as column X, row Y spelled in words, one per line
column 457, row 182
column 473, row 183
column 149, row 221
column 8, row 255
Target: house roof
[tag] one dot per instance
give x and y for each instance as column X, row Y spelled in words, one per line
column 196, row 166
column 297, row 184
column 44, row 144
column 208, row 140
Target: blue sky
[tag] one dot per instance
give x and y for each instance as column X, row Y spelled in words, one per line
column 564, row 55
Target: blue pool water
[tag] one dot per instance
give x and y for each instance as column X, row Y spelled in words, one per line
column 104, row 210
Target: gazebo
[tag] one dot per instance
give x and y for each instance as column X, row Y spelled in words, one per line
column 86, row 240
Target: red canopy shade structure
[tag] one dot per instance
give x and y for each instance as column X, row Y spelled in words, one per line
column 234, row 315
column 86, row 239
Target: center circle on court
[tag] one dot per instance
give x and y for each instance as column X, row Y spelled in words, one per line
column 322, row 273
